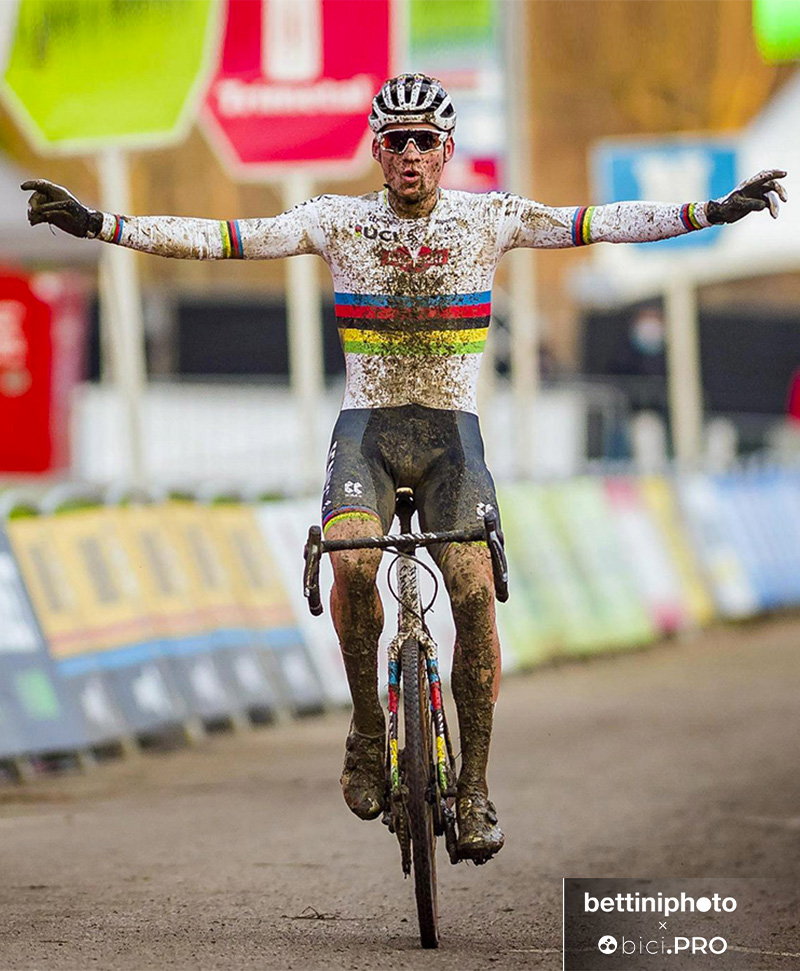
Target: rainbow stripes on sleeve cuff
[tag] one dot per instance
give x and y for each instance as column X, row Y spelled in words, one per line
column 581, row 226
column 413, row 326
column 231, row 240
column 689, row 216
column 119, row 223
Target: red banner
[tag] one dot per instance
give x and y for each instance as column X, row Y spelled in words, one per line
column 296, row 81
column 42, row 340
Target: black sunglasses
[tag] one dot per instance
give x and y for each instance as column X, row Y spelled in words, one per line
column 424, row 139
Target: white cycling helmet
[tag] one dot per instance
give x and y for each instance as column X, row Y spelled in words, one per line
column 412, row 99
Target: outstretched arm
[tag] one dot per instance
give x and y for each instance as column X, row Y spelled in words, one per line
column 289, row 234
column 533, row 224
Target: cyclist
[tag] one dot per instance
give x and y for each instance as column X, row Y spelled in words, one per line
column 412, row 267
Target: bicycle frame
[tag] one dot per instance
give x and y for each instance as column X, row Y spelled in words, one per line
column 410, row 624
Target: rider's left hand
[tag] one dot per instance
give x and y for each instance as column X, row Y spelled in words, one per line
column 761, row 191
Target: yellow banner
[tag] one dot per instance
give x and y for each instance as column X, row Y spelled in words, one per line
column 660, row 501
column 82, row 581
column 258, row 585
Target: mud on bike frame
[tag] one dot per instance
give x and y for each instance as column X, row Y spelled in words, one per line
column 420, row 778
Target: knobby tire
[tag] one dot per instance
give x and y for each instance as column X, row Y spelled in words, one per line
column 418, row 761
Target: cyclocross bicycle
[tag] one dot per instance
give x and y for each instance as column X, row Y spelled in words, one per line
column 420, row 775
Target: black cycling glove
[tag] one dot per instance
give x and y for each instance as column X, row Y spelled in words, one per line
column 762, row 191
column 51, row 203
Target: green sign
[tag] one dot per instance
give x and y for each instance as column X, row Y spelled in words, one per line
column 776, row 24
column 452, row 23
column 87, row 73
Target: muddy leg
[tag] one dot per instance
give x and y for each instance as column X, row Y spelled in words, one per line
column 358, row 618
column 476, row 661
column 476, row 682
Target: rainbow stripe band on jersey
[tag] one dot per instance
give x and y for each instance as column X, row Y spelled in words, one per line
column 231, row 240
column 404, row 326
column 581, row 226
column 689, row 218
column 119, row 222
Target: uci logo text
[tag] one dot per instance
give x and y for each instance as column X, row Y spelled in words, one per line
column 372, row 232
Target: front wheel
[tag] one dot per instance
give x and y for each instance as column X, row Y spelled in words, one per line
column 420, row 782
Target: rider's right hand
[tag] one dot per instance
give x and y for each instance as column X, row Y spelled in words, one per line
column 51, row 203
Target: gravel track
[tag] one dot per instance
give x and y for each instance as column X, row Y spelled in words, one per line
column 239, row 853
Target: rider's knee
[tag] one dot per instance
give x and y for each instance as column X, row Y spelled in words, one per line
column 468, row 575
column 355, row 571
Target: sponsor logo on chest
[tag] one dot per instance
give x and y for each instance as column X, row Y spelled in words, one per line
column 414, row 260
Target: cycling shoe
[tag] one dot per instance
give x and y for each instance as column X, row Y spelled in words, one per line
column 479, row 836
column 364, row 774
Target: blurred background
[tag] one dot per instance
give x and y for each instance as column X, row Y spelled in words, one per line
column 163, row 433
column 165, row 370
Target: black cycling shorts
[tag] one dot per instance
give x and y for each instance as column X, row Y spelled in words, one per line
column 438, row 454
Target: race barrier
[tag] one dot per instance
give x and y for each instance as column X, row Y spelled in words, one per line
column 122, row 622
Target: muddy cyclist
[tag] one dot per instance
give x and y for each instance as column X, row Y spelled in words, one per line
column 412, row 267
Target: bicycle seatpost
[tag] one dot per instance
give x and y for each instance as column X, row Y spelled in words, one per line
column 404, row 507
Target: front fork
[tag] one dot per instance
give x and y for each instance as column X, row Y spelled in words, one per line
column 443, row 787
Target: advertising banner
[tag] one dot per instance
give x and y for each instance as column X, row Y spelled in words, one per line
column 184, row 630
column 295, row 83
column 661, row 503
column 765, row 534
column 548, row 610
column 37, row 714
column 709, row 526
column 462, row 45
column 100, row 636
column 120, row 638
column 740, row 510
column 42, row 333
column 225, row 667
column 152, row 57
column 784, row 514
column 51, row 584
column 261, row 591
column 26, row 355
column 650, row 565
column 777, row 503
column 585, row 518
column 674, row 169
column 66, row 295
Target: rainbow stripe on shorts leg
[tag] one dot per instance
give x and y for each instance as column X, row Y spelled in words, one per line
column 231, row 240
column 350, row 512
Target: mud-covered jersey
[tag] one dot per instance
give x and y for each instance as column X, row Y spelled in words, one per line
column 413, row 296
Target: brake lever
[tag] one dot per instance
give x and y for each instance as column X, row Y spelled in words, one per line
column 496, row 543
column 311, row 554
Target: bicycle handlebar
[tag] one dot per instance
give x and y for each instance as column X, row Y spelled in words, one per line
column 404, row 542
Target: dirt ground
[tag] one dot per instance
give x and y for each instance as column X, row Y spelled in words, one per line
column 240, row 853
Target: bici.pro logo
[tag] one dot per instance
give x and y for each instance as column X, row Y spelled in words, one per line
column 607, row 944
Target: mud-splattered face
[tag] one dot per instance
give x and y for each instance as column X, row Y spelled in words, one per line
column 413, row 177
